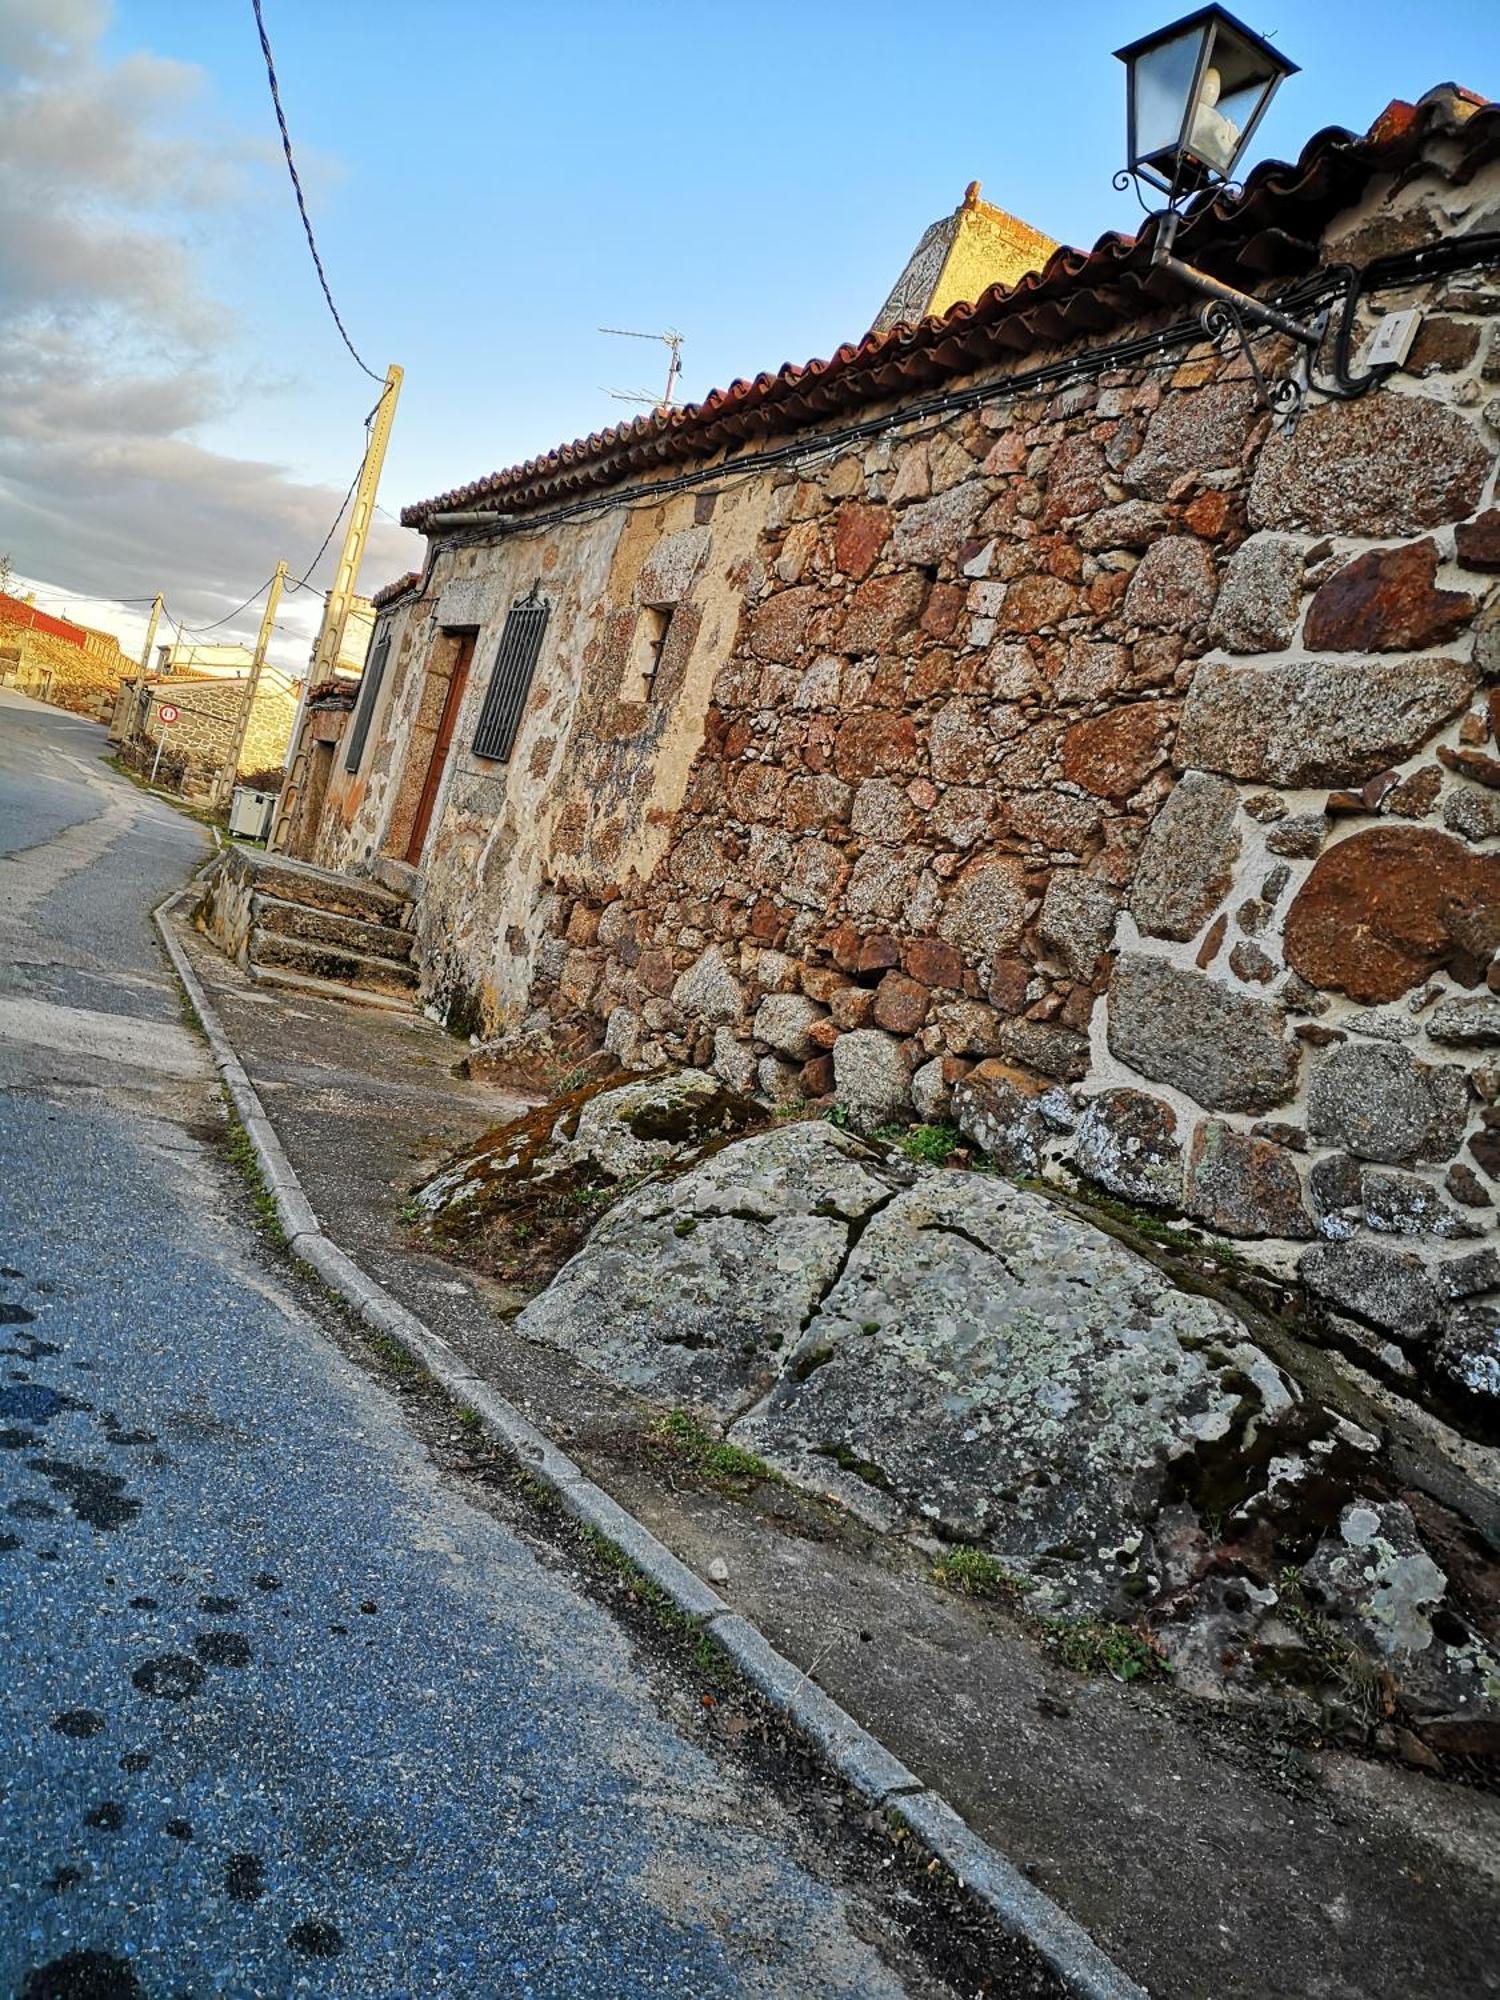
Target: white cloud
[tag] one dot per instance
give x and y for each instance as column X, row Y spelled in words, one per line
column 110, row 348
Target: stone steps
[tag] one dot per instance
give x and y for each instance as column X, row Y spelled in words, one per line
column 321, row 889
column 313, row 958
column 329, row 927
column 284, row 980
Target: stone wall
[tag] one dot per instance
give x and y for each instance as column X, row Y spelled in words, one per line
column 1105, row 769
column 197, row 744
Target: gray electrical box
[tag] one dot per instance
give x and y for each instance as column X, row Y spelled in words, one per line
column 1391, row 342
column 250, row 813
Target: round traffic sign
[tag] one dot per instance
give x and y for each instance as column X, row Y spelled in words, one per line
column 167, row 713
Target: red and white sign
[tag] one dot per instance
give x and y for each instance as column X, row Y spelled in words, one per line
column 167, row 713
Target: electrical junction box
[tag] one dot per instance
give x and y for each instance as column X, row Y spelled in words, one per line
column 250, row 813
column 1391, row 342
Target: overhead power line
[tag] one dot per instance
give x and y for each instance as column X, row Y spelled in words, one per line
column 291, row 167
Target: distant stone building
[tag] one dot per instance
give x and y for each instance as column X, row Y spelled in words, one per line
column 72, row 666
column 960, row 258
column 196, row 746
column 1007, row 719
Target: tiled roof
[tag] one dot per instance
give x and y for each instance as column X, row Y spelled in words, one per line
column 389, row 592
column 1269, row 231
column 16, row 611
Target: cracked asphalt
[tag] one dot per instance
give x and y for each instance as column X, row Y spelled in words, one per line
column 281, row 1710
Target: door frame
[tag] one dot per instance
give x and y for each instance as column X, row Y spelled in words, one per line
column 463, row 642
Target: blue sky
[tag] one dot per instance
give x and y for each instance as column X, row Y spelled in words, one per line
column 492, row 182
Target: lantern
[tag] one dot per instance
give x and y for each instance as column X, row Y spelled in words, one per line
column 1195, row 93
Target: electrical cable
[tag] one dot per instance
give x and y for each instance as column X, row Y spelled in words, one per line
column 291, row 167
column 926, row 415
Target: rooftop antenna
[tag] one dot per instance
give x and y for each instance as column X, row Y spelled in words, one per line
column 673, row 342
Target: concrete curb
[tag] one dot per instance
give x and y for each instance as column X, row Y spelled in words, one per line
column 1023, row 1910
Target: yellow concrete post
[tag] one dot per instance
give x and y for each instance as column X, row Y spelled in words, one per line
column 336, row 606
column 227, row 776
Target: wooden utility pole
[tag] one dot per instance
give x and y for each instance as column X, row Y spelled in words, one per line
column 230, row 771
column 330, row 640
column 151, row 625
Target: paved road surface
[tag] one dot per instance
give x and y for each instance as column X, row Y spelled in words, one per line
column 280, row 1712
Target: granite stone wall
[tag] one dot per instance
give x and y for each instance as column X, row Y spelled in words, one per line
column 1117, row 776
column 1107, row 770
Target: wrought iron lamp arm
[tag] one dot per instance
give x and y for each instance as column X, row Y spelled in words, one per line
column 1243, row 305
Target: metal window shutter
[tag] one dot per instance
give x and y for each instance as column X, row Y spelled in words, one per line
column 369, row 694
column 515, row 662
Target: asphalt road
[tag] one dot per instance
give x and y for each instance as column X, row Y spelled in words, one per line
column 281, row 1710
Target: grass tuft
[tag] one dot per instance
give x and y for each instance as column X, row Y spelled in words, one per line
column 1099, row 1646
column 680, row 1434
column 972, row 1573
column 240, row 1150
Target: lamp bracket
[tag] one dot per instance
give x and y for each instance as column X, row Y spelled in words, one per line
column 1230, row 312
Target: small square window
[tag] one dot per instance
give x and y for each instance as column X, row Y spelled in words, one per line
column 648, row 644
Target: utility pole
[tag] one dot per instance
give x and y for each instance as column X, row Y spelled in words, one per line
column 227, row 776
column 336, row 609
column 151, row 625
column 330, row 638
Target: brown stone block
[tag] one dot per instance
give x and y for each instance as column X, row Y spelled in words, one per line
column 1207, row 514
column 1112, row 754
column 1384, row 910
column 860, row 532
column 820, row 982
column 817, row 1076
column 1243, row 1186
column 1478, row 542
column 878, row 953
column 1386, row 601
column 851, row 1007
column 823, row 1034
column 1442, row 347
column 900, row 1004
column 880, row 611
column 945, row 606
column 1208, row 951
column 933, row 962
column 869, row 744
column 778, row 626
column 843, row 947
column 1010, row 979
column 1033, row 603
column 768, row 921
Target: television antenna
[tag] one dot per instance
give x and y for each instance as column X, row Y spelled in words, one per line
column 673, row 343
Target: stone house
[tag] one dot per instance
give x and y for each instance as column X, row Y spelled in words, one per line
column 1006, row 717
column 208, row 710
column 53, row 659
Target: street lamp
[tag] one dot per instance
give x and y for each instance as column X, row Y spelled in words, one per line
column 1195, row 92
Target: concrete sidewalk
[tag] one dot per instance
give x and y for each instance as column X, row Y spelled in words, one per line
column 1207, row 1860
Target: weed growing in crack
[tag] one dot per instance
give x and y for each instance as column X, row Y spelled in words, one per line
column 240, row 1150
column 394, row 1358
column 1098, row 1646
column 972, row 1573
column 680, row 1434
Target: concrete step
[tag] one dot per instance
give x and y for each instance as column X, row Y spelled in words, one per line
column 278, row 977
column 329, row 927
column 315, row 960
column 321, row 889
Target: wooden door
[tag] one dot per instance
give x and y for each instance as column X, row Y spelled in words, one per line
column 458, row 680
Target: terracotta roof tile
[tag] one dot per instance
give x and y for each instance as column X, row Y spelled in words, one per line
column 389, row 592
column 1267, row 231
